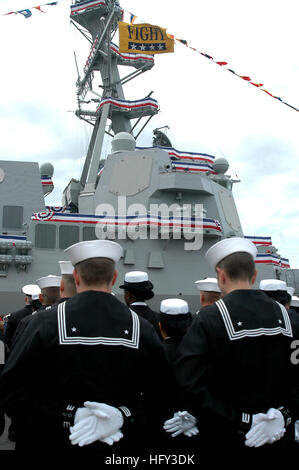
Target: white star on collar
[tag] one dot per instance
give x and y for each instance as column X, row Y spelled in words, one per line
column 239, row 323
column 74, row 329
column 126, row 332
column 279, row 321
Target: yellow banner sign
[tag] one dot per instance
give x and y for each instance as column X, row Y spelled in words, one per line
column 144, row 38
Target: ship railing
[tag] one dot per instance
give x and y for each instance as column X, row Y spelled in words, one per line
column 88, row 5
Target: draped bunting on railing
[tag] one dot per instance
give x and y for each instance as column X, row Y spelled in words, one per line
column 267, row 258
column 182, row 155
column 134, row 220
column 129, row 59
column 47, row 181
column 132, row 57
column 270, row 258
column 187, row 161
column 262, row 241
column 60, row 209
column 149, row 105
column 285, row 263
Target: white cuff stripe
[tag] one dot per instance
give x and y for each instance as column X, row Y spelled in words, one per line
column 126, row 411
column 245, row 418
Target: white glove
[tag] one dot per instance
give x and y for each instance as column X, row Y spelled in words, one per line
column 267, row 430
column 81, row 414
column 97, row 421
column 182, row 422
column 191, row 432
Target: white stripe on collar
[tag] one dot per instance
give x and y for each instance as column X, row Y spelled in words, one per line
column 233, row 335
column 64, row 339
column 139, row 303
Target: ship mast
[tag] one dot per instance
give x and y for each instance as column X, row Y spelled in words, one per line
column 100, row 19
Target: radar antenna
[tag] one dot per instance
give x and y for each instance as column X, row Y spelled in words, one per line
column 160, row 139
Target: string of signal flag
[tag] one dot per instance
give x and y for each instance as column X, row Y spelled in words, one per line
column 222, row 64
column 27, row 14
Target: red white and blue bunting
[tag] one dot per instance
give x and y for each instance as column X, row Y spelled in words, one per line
column 60, row 209
column 284, row 263
column 187, row 161
column 132, row 58
column 148, row 104
column 47, row 181
column 261, row 241
column 125, row 59
column 270, row 258
column 134, row 220
column 183, row 155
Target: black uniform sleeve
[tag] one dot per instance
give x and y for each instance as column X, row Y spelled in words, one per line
column 18, row 331
column 193, row 371
column 18, row 382
column 10, row 329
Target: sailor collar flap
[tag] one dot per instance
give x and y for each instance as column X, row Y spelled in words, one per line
column 68, row 334
column 237, row 328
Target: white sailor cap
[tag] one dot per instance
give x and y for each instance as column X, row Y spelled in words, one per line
column 138, row 281
column 31, row 289
column 210, row 284
column 294, row 301
column 94, row 249
column 273, row 285
column 290, row 290
column 49, row 281
column 66, row 267
column 35, row 296
column 227, row 247
column 174, row 306
column 136, row 276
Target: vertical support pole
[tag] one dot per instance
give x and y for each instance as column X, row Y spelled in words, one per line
column 96, row 153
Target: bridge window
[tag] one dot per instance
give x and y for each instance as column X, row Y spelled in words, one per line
column 68, row 235
column 45, row 236
column 12, row 217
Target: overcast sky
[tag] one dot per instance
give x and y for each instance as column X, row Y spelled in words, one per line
column 207, row 108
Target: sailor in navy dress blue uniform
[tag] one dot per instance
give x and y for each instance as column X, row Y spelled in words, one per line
column 13, row 319
column 90, row 347
column 49, row 287
column 174, row 320
column 235, row 360
column 137, row 289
